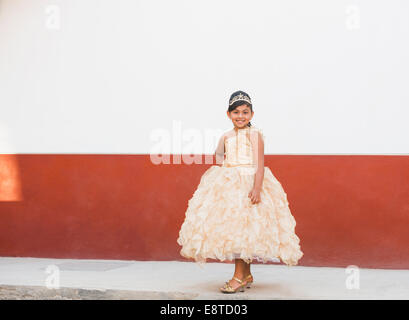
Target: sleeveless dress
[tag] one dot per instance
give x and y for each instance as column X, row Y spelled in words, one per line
column 221, row 222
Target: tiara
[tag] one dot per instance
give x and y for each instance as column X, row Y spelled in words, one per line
column 240, row 97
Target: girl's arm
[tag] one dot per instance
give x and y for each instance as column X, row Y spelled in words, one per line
column 219, row 153
column 258, row 153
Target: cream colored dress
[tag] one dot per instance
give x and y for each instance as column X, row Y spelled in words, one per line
column 221, row 222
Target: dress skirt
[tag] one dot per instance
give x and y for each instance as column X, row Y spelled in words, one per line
column 221, row 222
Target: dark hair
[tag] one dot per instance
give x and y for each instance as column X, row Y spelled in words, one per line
column 240, row 103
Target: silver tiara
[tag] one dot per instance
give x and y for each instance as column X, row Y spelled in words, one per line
column 240, row 97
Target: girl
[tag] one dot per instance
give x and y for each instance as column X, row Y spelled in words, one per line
column 239, row 211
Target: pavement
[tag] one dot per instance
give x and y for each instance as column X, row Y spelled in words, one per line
column 40, row 278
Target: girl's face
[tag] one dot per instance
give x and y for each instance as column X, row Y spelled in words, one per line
column 241, row 116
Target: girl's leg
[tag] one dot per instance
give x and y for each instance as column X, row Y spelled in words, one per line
column 239, row 272
column 247, row 269
column 240, row 268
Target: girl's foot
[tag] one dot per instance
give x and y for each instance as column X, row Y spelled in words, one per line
column 236, row 284
column 248, row 280
column 248, row 276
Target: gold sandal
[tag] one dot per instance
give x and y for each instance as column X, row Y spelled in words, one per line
column 227, row 288
column 248, row 281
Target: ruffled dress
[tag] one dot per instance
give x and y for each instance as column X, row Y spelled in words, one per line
column 221, row 222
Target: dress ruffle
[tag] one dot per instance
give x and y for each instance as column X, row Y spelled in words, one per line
column 222, row 223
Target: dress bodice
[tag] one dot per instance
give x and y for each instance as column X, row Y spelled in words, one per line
column 239, row 149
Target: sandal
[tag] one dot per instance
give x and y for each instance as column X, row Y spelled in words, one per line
column 249, row 280
column 227, row 288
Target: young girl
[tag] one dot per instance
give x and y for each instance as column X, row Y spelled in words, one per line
column 239, row 211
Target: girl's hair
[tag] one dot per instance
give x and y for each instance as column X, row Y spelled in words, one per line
column 237, row 103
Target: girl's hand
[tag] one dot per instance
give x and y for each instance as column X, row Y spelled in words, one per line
column 254, row 195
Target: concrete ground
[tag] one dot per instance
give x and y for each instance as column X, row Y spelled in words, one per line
column 36, row 278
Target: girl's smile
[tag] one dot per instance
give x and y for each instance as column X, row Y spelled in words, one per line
column 241, row 116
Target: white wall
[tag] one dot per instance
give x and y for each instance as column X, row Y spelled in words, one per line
column 100, row 76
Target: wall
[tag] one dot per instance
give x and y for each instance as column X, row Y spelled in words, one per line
column 85, row 87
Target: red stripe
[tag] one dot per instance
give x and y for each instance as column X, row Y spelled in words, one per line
column 349, row 209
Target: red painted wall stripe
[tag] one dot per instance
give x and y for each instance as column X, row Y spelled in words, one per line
column 349, row 209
